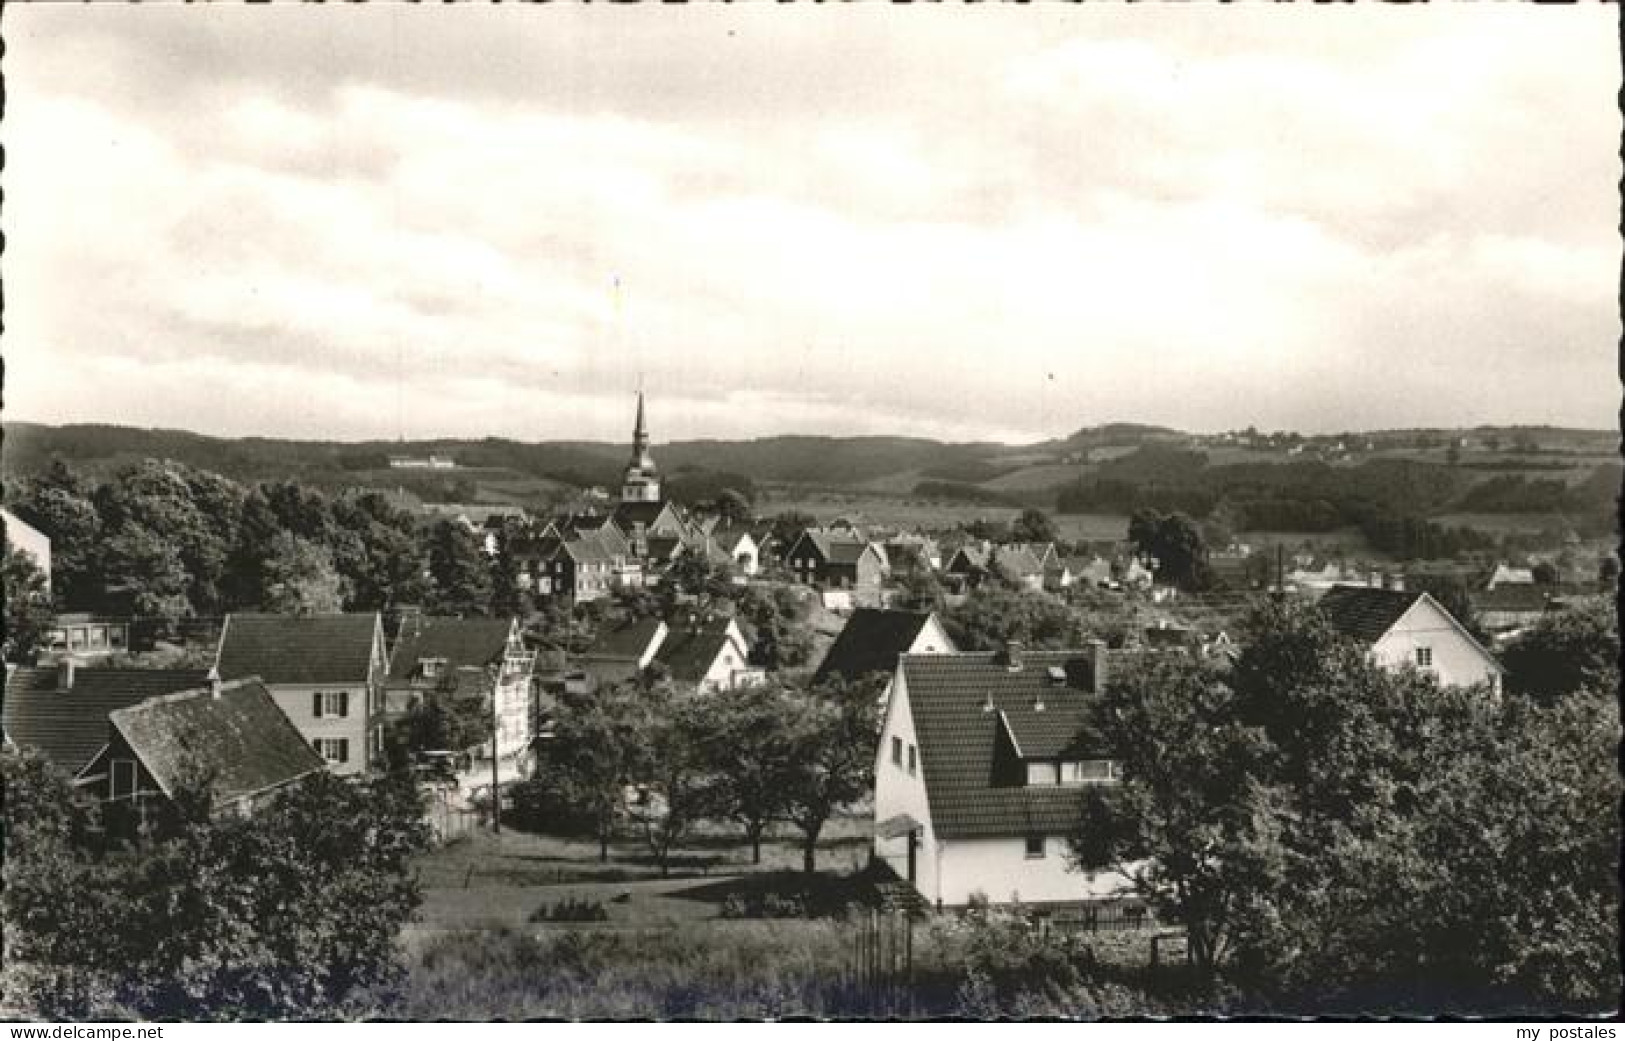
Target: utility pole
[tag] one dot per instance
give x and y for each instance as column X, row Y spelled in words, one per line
column 496, row 729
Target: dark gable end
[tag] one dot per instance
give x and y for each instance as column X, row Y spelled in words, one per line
column 871, row 641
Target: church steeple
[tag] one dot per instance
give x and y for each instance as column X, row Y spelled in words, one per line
column 642, row 481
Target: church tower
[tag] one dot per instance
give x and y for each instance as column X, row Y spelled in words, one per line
column 642, row 481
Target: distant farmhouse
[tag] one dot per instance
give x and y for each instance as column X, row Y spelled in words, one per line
column 431, row 462
column 1402, row 628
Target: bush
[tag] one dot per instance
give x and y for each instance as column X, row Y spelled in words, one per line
column 571, row 910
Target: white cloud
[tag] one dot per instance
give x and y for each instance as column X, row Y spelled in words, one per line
column 978, row 228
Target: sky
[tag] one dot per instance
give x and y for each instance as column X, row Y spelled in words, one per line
column 966, row 223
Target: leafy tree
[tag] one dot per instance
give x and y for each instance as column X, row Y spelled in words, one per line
column 507, row 598
column 28, row 607
column 598, row 749
column 732, row 508
column 748, row 743
column 294, row 912
column 462, row 581
column 780, row 617
column 674, row 782
column 299, row 578
column 443, row 721
column 1033, row 525
column 1188, row 826
column 789, row 524
column 1566, row 651
column 379, row 552
column 59, row 504
column 833, row 735
column 994, row 614
column 145, row 575
column 1175, row 542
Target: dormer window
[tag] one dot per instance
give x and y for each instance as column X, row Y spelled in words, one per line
column 1043, row 773
column 431, row 668
column 1092, row 771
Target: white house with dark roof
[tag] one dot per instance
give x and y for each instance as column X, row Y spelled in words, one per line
column 873, row 640
column 1409, row 628
column 983, row 764
column 326, row 672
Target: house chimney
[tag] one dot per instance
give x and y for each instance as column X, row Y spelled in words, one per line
column 65, row 667
column 1395, row 582
column 1038, row 702
column 987, row 702
column 214, row 684
column 1097, row 661
column 1011, row 655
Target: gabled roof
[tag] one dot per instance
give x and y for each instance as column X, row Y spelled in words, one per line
column 1019, row 559
column 1512, row 596
column 1365, row 613
column 457, row 641
column 241, row 738
column 689, row 653
column 871, row 641
column 728, row 539
column 70, row 726
column 845, row 551
column 628, row 514
column 664, row 547
column 948, row 695
column 629, row 641
column 331, row 648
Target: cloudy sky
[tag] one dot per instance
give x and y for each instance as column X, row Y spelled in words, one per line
column 951, row 222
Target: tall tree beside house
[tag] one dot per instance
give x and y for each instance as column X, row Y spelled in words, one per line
column 1175, row 542
column 1033, row 525
column 598, row 748
column 675, row 787
column 462, row 578
column 151, row 515
column 379, row 551
column 442, row 722
column 731, row 507
column 59, row 504
column 749, row 743
column 507, row 598
column 145, row 575
column 28, row 607
column 299, row 578
column 1564, row 652
column 1189, row 826
column 833, row 735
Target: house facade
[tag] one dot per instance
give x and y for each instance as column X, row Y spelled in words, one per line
column 467, row 657
column 326, row 673
column 1411, row 629
column 232, row 733
column 983, row 764
column 708, row 656
column 823, row 559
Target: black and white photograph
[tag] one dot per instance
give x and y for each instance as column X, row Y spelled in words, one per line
column 769, row 512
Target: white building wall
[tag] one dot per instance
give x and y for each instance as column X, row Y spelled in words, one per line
column 897, row 792
column 26, row 538
column 295, row 700
column 1000, row 869
column 932, row 639
column 1458, row 661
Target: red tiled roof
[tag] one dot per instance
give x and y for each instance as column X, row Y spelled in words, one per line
column 334, row 648
column 241, row 738
column 948, row 696
column 69, row 727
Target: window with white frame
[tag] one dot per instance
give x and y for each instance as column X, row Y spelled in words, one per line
column 331, row 704
column 1424, row 657
column 332, row 749
column 1043, row 773
column 1091, row 771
